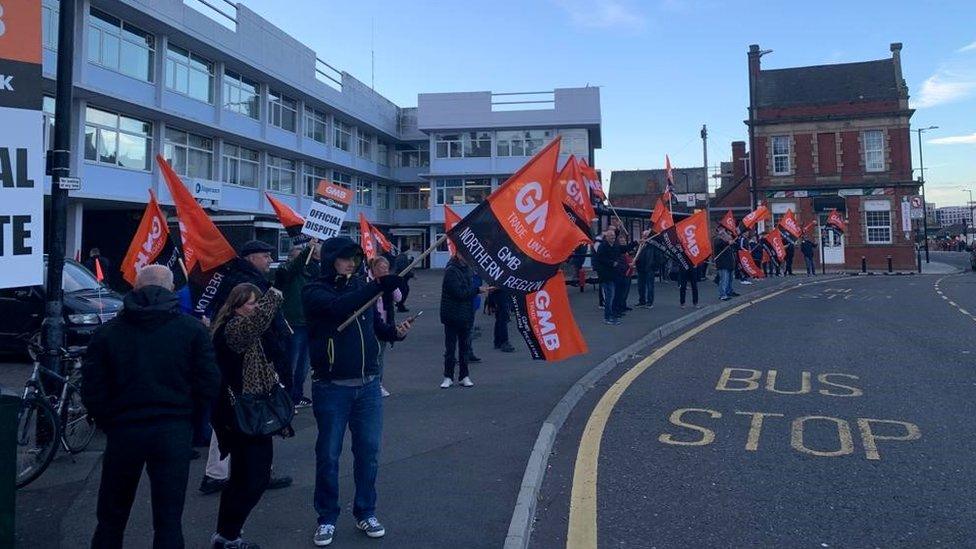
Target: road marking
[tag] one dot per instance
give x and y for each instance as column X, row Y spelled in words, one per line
column 951, row 302
column 582, row 532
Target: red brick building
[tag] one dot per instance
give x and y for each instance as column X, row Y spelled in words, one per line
column 834, row 136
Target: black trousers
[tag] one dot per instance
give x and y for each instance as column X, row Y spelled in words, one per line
column 502, row 316
column 457, row 339
column 686, row 277
column 404, row 292
column 163, row 449
column 788, row 266
column 250, row 472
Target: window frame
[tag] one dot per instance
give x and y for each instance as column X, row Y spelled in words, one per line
column 311, row 119
column 310, row 171
column 785, row 156
column 49, row 26
column 343, row 179
column 451, row 142
column 276, row 166
column 364, row 144
column 442, row 188
column 117, row 129
column 173, row 63
column 873, row 223
column 364, row 191
column 235, row 82
column 188, row 147
column 280, row 105
column 122, row 32
column 877, row 164
column 341, row 134
column 237, row 159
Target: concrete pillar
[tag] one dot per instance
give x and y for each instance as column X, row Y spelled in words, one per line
column 75, row 218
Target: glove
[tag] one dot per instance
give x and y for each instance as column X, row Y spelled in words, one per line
column 390, row 282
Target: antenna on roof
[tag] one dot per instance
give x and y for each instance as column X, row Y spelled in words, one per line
column 372, row 54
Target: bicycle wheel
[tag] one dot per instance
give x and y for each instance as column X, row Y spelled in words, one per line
column 37, row 439
column 77, row 427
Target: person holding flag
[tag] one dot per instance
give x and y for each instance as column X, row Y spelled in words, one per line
column 724, row 247
column 99, row 265
column 291, row 277
column 806, row 248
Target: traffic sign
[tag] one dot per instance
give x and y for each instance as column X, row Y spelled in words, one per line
column 69, row 183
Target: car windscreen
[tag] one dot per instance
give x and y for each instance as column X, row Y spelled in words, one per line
column 77, row 278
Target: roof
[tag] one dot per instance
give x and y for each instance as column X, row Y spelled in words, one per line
column 641, row 182
column 841, row 83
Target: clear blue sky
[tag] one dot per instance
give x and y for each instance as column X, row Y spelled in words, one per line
column 664, row 67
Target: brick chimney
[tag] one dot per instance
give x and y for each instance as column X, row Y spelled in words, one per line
column 739, row 163
column 896, row 61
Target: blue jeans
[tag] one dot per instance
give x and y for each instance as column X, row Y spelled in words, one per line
column 335, row 407
column 645, row 287
column 725, row 282
column 811, row 269
column 608, row 290
column 298, row 359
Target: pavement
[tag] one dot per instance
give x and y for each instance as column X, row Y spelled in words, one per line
column 831, row 415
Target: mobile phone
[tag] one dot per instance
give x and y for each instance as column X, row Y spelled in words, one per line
column 416, row 316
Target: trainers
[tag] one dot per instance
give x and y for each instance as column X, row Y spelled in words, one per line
column 447, row 383
column 323, row 535
column 384, row 392
column 210, row 485
column 371, row 526
column 220, row 542
column 466, row 382
column 304, row 402
column 724, row 298
column 506, row 348
column 746, row 283
column 279, row 482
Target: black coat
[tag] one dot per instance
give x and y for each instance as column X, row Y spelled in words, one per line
column 649, row 259
column 329, row 301
column 606, row 257
column 457, row 294
column 150, row 362
column 807, row 248
column 724, row 258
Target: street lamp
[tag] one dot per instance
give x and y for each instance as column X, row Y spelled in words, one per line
column 925, row 205
column 970, row 223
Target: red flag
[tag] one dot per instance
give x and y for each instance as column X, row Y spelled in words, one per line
column 450, row 220
column 809, row 226
column 836, row 221
column 693, row 235
column 288, row 217
column 546, row 322
column 99, row 275
column 775, row 240
column 790, row 224
column 203, row 243
column 755, row 216
column 661, row 218
column 366, row 237
column 728, row 221
column 668, row 173
column 576, row 194
column 592, row 180
column 150, row 239
column 380, row 238
column 78, row 255
column 749, row 266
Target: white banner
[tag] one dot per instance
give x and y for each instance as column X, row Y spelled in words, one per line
column 325, row 217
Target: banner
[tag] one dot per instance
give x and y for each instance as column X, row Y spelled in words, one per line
column 755, row 216
column 774, row 240
column 728, row 221
column 519, row 236
column 669, row 242
column 545, row 320
column 836, row 222
column 21, row 145
column 693, row 235
column 289, row 218
column 328, row 211
column 592, row 181
column 151, row 242
column 366, row 237
column 450, row 220
column 381, row 239
column 790, row 227
column 749, row 266
column 576, row 195
column 661, row 218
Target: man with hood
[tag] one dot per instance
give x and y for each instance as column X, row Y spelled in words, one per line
column 345, row 381
column 144, row 370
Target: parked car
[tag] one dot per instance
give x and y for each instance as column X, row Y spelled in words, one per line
column 87, row 304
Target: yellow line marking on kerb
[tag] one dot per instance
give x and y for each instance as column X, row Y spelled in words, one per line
column 582, row 532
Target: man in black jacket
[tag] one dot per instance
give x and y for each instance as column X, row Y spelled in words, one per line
column 144, row 370
column 605, row 255
column 457, row 315
column 345, row 381
column 646, row 264
column 723, row 250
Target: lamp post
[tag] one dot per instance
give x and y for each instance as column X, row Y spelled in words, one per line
column 925, row 205
column 970, row 223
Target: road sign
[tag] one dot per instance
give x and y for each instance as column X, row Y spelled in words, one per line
column 916, row 201
column 917, row 211
column 69, row 183
column 906, row 217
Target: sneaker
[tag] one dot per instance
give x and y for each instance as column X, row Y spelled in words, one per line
column 210, row 485
column 734, row 294
column 447, row 383
column 724, row 298
column 384, row 392
column 466, row 382
column 506, row 348
column 279, row 482
column 371, row 526
column 220, row 542
column 323, row 535
column 746, row 283
column 610, row 322
column 304, row 402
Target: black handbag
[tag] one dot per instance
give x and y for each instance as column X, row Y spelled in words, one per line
column 261, row 414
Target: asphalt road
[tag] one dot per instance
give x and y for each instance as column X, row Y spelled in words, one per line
column 833, row 415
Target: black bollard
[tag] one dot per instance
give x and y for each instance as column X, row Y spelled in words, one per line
column 864, row 264
column 918, row 253
column 889, row 263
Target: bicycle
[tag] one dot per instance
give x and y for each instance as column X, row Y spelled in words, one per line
column 44, row 417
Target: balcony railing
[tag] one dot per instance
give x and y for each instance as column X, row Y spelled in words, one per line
column 523, row 101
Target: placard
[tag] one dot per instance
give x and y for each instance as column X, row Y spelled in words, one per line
column 328, row 211
column 21, row 145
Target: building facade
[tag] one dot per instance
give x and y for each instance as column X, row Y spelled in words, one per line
column 836, row 137
column 642, row 188
column 955, row 215
column 233, row 102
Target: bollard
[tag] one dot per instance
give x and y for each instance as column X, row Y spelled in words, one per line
column 918, row 253
column 889, row 263
column 9, row 406
column 864, row 264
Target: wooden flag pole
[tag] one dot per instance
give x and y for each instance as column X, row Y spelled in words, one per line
column 621, row 221
column 409, row 268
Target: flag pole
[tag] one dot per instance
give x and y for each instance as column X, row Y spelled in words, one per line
column 621, row 221
column 409, row 268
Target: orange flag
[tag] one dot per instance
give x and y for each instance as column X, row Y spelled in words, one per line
column 149, row 241
column 576, row 194
column 748, row 265
column 592, row 180
column 836, row 221
column 99, row 275
column 668, row 172
column 289, row 218
column 545, row 320
column 755, row 216
column 384, row 243
column 790, row 224
column 728, row 221
column 693, row 235
column 775, row 240
column 661, row 218
column 450, row 220
column 203, row 244
column 366, row 237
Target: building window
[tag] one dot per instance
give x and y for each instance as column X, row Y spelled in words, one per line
column 48, row 107
column 873, row 151
column 382, row 197
column 189, row 74
column 476, row 144
column 312, row 176
column 781, row 155
column 447, row 145
column 779, row 210
column 574, row 142
column 119, row 46
column 877, row 221
column 521, row 143
column 281, row 174
column 364, row 191
column 189, row 154
column 342, row 179
column 413, row 156
column 342, row 135
column 315, row 125
column 242, row 166
column 456, row 191
column 365, row 145
column 282, row 111
column 117, row 140
column 49, row 27
column 382, row 154
column 241, row 95
column 412, row 198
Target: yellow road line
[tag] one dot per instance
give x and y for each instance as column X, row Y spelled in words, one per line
column 582, row 532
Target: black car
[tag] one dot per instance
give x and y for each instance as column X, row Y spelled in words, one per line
column 87, row 304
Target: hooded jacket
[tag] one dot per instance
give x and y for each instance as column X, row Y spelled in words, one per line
column 329, row 301
column 458, row 291
column 150, row 362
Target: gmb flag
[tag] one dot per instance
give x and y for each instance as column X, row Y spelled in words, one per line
column 545, row 320
column 773, row 241
column 836, row 222
column 576, row 195
column 790, row 228
column 289, row 218
column 687, row 243
column 450, row 220
column 755, row 216
column 517, row 238
column 748, row 265
column 151, row 244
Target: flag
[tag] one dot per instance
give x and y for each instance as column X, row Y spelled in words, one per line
column 669, row 175
column 450, row 220
column 755, row 216
column 518, row 237
column 809, row 226
column 546, row 322
column 99, row 275
column 289, row 218
column 381, row 239
column 836, row 222
column 592, row 180
column 774, row 242
column 728, row 221
column 151, row 242
column 661, row 218
column 203, row 244
column 576, row 195
column 749, row 266
column 693, row 235
column 790, row 227
column 366, row 237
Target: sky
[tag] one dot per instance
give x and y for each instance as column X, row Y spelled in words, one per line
column 664, row 67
